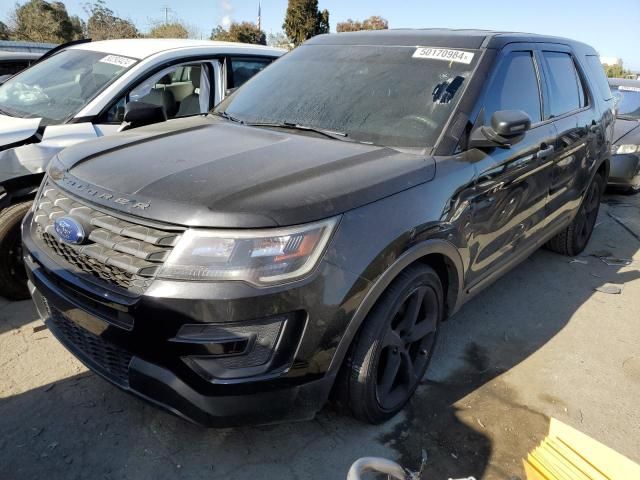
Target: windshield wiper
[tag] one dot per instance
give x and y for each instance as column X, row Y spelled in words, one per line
column 228, row 116
column 294, row 126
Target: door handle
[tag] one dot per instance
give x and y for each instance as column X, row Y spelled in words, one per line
column 545, row 152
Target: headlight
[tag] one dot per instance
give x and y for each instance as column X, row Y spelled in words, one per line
column 627, row 149
column 259, row 257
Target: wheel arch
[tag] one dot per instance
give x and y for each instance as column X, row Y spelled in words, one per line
column 441, row 255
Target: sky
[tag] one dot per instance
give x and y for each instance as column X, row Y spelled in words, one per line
column 612, row 27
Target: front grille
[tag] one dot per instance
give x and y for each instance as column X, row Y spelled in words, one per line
column 105, row 357
column 117, row 251
column 90, row 265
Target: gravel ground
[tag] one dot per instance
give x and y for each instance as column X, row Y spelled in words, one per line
column 539, row 343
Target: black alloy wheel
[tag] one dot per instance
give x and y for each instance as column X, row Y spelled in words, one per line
column 391, row 352
column 573, row 240
column 407, row 347
column 588, row 214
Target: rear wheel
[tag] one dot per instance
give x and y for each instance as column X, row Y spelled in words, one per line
column 573, row 240
column 13, row 277
column 392, row 351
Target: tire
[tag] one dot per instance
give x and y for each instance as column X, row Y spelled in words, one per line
column 13, row 277
column 391, row 352
column 574, row 239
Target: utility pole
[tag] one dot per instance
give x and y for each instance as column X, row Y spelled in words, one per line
column 166, row 13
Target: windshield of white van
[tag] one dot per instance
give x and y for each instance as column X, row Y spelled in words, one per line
column 60, row 86
column 385, row 95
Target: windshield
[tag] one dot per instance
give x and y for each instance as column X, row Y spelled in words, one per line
column 628, row 104
column 394, row 96
column 57, row 88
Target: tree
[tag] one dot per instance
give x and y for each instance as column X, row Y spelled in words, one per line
column 103, row 24
column 245, row 32
column 616, row 71
column 79, row 27
column 372, row 23
column 279, row 40
column 303, row 20
column 42, row 21
column 4, row 32
column 169, row 30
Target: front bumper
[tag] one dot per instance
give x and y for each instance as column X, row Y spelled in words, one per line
column 129, row 340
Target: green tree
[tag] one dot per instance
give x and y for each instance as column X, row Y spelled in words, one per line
column 79, row 27
column 303, row 20
column 615, row 71
column 372, row 23
column 245, row 32
column 169, row 30
column 103, row 24
column 42, row 21
column 4, row 32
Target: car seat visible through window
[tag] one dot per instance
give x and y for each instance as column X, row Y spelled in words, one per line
column 190, row 105
column 159, row 95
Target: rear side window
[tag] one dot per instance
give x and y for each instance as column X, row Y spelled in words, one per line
column 242, row 69
column 596, row 71
column 515, row 87
column 566, row 92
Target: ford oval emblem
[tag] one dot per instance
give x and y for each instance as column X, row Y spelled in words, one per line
column 69, row 230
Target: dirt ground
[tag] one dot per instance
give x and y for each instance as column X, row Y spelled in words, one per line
column 539, row 343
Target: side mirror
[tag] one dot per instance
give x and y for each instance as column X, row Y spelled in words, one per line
column 139, row 114
column 507, row 128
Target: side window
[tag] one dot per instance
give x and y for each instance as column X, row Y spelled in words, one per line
column 242, row 69
column 515, row 87
column 181, row 89
column 11, row 68
column 566, row 92
column 599, row 77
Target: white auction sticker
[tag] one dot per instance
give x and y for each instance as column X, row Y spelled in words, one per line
column 118, row 60
column 458, row 56
column 625, row 88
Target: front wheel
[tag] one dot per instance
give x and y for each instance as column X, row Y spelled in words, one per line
column 392, row 351
column 13, row 277
column 573, row 240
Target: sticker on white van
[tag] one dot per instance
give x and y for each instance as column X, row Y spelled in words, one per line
column 446, row 54
column 118, row 60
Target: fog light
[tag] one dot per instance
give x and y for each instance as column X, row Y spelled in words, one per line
column 231, row 351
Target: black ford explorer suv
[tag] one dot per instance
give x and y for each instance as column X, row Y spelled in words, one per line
column 310, row 235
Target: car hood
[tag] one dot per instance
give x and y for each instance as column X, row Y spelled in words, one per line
column 204, row 171
column 15, row 130
column 623, row 128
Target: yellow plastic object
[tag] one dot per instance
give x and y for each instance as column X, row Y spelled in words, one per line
column 567, row 454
